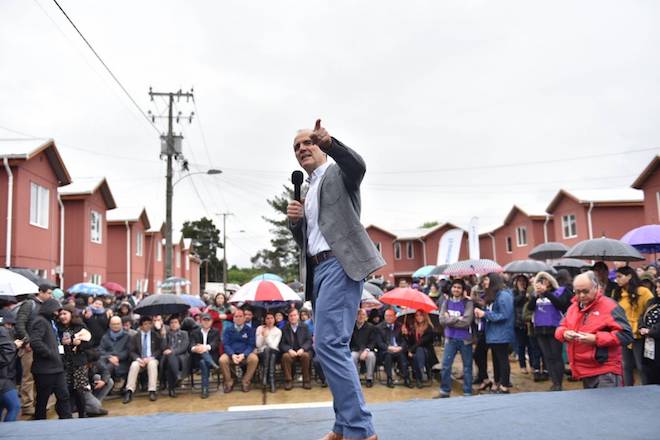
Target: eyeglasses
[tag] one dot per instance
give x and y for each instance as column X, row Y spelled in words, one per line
column 582, row 291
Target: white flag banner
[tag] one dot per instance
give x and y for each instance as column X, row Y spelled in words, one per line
column 450, row 246
column 473, row 238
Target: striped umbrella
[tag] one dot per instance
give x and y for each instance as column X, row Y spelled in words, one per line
column 268, row 277
column 265, row 293
column 472, row 267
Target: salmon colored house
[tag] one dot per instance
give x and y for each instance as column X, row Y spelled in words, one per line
column 406, row 251
column 581, row 216
column 126, row 248
column 85, row 203
column 649, row 183
column 517, row 236
column 30, row 219
column 195, row 284
column 155, row 261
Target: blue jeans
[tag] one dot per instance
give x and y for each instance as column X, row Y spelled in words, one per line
column 337, row 301
column 9, row 401
column 453, row 347
column 205, row 368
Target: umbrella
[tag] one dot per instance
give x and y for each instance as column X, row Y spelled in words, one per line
column 193, row 301
column 113, row 287
column 296, row 286
column 172, row 283
column 604, row 249
column 162, row 304
column 472, row 267
column 439, row 270
column 527, row 266
column 373, row 289
column 548, row 251
column 407, row 297
column 58, row 294
column 645, row 239
column 268, row 277
column 423, row 272
column 89, row 289
column 570, row 263
column 27, row 273
column 376, row 281
column 368, row 301
column 13, row 284
column 434, row 315
column 265, row 293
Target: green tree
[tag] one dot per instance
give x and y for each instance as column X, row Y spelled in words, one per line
column 431, row 224
column 206, row 242
column 241, row 275
column 282, row 257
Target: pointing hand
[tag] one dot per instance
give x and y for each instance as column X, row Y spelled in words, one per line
column 321, row 137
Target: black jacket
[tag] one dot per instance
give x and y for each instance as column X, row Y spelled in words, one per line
column 302, row 338
column 364, row 337
column 97, row 325
column 177, row 342
column 119, row 348
column 7, row 361
column 425, row 342
column 385, row 337
column 135, row 351
column 25, row 316
column 43, row 340
column 212, row 339
column 74, row 355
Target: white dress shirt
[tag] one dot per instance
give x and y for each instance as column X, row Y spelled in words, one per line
column 205, row 335
column 315, row 241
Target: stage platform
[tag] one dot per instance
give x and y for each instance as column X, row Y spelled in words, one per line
column 617, row 414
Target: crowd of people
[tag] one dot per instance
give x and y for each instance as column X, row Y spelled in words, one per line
column 602, row 323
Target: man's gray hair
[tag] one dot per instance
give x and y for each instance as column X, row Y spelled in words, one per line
column 593, row 278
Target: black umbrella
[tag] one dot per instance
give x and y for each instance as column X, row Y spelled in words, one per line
column 36, row 279
column 548, row 251
column 376, row 291
column 162, row 304
column 570, row 263
column 604, row 249
column 527, row 266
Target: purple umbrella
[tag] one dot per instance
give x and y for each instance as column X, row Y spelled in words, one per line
column 645, row 239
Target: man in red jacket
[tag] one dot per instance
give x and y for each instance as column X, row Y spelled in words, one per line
column 595, row 328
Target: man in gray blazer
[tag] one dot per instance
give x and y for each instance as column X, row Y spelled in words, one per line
column 336, row 256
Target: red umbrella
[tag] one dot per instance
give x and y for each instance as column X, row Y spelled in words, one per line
column 411, row 298
column 115, row 288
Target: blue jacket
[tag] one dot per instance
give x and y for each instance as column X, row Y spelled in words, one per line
column 239, row 342
column 500, row 319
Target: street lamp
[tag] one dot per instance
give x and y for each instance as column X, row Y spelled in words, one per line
column 169, row 247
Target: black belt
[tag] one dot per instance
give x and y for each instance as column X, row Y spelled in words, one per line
column 320, row 257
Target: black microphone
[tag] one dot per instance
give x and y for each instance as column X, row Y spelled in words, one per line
column 297, row 180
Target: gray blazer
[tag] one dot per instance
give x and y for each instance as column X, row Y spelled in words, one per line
column 339, row 219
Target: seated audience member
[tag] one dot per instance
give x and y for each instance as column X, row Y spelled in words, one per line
column 393, row 348
column 456, row 316
column 363, row 344
column 101, row 384
column 296, row 345
column 96, row 318
column 420, row 345
column 205, row 346
column 128, row 324
column 114, row 349
column 268, row 338
column 9, row 346
column 239, row 346
column 175, row 354
column 145, row 351
column 249, row 317
column 280, row 322
column 306, row 318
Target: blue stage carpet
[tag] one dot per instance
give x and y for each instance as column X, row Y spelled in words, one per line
column 616, row 414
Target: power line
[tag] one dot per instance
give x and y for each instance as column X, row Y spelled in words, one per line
column 114, row 77
column 201, row 130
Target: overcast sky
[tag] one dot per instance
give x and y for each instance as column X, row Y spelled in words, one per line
column 434, row 95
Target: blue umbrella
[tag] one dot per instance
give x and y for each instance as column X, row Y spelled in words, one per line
column 423, row 272
column 174, row 282
column 193, row 301
column 90, row 289
column 268, row 277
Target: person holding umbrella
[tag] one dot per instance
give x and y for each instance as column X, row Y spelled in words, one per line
column 337, row 255
column 634, row 299
column 419, row 338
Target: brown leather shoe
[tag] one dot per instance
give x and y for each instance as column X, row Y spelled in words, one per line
column 288, row 386
column 332, row 436
column 228, row 388
column 307, row 385
column 246, row 387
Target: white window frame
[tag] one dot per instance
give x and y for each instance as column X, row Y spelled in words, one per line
column 139, row 243
column 521, row 232
column 188, row 264
column 379, row 247
column 95, row 278
column 566, row 224
column 397, row 250
column 39, row 205
column 410, row 250
column 508, row 244
column 159, row 251
column 178, row 259
column 95, row 217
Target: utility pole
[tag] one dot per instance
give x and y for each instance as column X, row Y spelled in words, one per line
column 171, row 149
column 224, row 250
